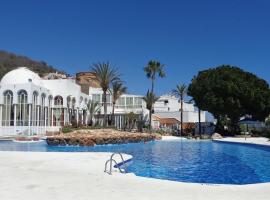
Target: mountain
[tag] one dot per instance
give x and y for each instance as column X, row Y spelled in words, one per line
column 10, row 61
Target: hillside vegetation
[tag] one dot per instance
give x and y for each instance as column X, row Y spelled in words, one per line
column 10, row 61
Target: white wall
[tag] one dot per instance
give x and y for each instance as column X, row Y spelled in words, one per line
column 191, row 117
column 173, row 104
column 65, row 88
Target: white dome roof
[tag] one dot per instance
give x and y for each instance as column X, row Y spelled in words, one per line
column 21, row 75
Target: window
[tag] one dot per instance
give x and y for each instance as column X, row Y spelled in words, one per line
column 166, row 102
column 69, row 102
column 129, row 102
column 138, row 102
column 7, row 108
column 49, row 122
column 22, row 111
column 120, row 101
column 96, row 98
column 108, row 98
column 42, row 110
column 58, row 101
column 58, row 111
column 73, row 103
column 35, row 109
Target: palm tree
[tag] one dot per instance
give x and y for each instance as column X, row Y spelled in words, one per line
column 93, row 108
column 105, row 75
column 150, row 99
column 117, row 90
column 180, row 91
column 153, row 69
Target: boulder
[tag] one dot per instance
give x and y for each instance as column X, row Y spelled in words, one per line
column 216, row 136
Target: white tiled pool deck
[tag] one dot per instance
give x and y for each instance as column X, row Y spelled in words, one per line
column 80, row 176
column 256, row 140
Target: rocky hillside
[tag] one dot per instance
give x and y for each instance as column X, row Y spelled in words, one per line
column 10, row 61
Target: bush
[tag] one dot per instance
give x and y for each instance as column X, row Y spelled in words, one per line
column 67, row 129
column 265, row 132
column 163, row 132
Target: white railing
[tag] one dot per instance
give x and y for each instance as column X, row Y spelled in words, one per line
column 26, row 130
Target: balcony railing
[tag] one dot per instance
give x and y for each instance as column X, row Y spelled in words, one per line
column 127, row 107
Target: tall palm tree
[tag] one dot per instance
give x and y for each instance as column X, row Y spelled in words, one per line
column 152, row 70
column 118, row 89
column 180, row 91
column 93, row 108
column 105, row 75
column 150, row 99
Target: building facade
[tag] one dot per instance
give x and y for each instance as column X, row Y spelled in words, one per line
column 31, row 105
column 167, row 109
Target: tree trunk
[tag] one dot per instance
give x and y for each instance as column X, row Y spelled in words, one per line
column 200, row 127
column 234, row 126
column 181, row 131
column 150, row 112
column 150, row 120
column 152, row 89
column 91, row 119
column 105, row 109
column 113, row 117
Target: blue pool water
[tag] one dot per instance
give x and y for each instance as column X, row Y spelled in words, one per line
column 186, row 161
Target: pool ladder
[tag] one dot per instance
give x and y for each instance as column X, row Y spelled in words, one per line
column 111, row 160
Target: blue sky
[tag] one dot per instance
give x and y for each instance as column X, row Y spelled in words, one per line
column 187, row 36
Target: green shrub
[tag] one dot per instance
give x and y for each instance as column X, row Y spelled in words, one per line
column 67, row 129
column 161, row 132
column 265, row 132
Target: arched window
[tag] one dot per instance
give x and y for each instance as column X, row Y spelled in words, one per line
column 69, row 108
column 43, row 98
column 81, row 100
column 73, row 103
column 58, row 101
column 58, row 111
column 35, row 109
column 42, row 109
column 69, row 102
column 50, row 99
column 22, row 111
column 7, row 112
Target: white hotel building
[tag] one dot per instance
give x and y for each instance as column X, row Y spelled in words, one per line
column 31, row 105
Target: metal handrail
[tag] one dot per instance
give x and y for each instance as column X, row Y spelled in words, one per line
column 116, row 164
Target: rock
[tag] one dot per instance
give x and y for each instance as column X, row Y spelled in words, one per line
column 216, row 136
column 100, row 136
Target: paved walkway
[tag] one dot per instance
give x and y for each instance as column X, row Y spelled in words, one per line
column 255, row 140
column 80, row 176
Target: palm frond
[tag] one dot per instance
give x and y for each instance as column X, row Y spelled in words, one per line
column 93, row 107
column 118, row 89
column 180, row 91
column 153, row 69
column 150, row 98
column 105, row 74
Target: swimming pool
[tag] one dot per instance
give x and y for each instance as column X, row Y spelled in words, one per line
column 186, row 161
